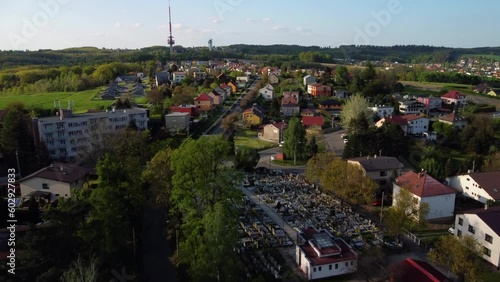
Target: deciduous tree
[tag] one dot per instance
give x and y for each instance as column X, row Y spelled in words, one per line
column 246, row 158
column 295, row 140
column 460, row 254
column 353, row 108
column 405, row 209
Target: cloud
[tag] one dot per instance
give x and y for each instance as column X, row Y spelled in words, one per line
column 163, row 26
column 216, row 20
column 136, row 25
column 178, row 25
column 304, row 31
column 118, row 24
column 267, row 20
column 280, row 28
column 99, row 33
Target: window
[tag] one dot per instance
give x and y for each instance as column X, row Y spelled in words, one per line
column 460, row 221
column 471, row 229
column 459, row 233
column 488, row 238
column 383, row 173
column 487, row 251
column 336, row 266
column 319, row 268
column 314, row 269
column 352, row 262
column 330, row 267
column 346, row 263
column 45, row 186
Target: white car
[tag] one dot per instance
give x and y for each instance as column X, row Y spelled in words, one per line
column 345, row 141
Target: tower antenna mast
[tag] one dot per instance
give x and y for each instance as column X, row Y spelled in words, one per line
column 170, row 39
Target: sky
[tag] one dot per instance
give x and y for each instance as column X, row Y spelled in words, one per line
column 126, row 24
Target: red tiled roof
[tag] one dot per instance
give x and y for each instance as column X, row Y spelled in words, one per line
column 280, row 125
column 203, row 97
column 411, row 117
column 423, row 185
column 490, row 216
column 288, row 100
column 312, row 121
column 411, row 270
column 397, row 120
column 453, row 95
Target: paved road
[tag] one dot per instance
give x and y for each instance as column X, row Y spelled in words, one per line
column 272, row 214
column 333, row 142
column 265, row 161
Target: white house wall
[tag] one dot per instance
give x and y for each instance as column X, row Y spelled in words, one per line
column 314, row 272
column 480, row 230
column 469, row 188
column 61, row 189
column 440, row 206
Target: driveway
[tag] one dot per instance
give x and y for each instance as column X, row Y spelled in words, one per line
column 265, row 161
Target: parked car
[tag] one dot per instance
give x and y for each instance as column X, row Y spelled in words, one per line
column 451, row 230
column 345, row 141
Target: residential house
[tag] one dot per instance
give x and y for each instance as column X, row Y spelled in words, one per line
column 455, row 120
column 293, row 94
column 252, row 116
column 319, row 90
column 204, row 102
column 273, row 78
column 454, row 98
column 309, row 79
column 217, row 98
column 430, row 102
column 341, row 94
column 307, row 112
column 494, row 93
column 321, row 255
column 480, row 186
column 482, row 88
column 417, row 124
column 273, row 132
column 67, row 134
column 313, row 122
column 484, row 226
column 222, row 92
column 177, row 121
column 425, row 189
column 191, row 109
column 379, row 168
column 228, row 89
column 179, row 76
column 245, row 79
column 412, row 270
column 411, row 107
column 290, row 105
column 233, row 86
column 382, row 110
column 267, row 92
column 330, row 104
column 399, row 120
column 127, row 79
column 58, row 179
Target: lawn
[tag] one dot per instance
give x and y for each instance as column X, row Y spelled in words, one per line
column 437, row 86
column 82, row 100
column 484, row 56
column 248, row 138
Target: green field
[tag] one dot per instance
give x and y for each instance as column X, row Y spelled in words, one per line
column 82, row 100
column 248, row 138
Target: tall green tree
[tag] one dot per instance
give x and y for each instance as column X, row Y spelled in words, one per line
column 295, row 140
column 353, row 108
column 341, row 75
column 203, row 194
column 246, row 158
column 16, row 131
column 405, row 209
column 159, row 175
column 460, row 254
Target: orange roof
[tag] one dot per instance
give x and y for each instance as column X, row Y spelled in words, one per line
column 312, row 121
column 411, row 117
column 423, row 185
